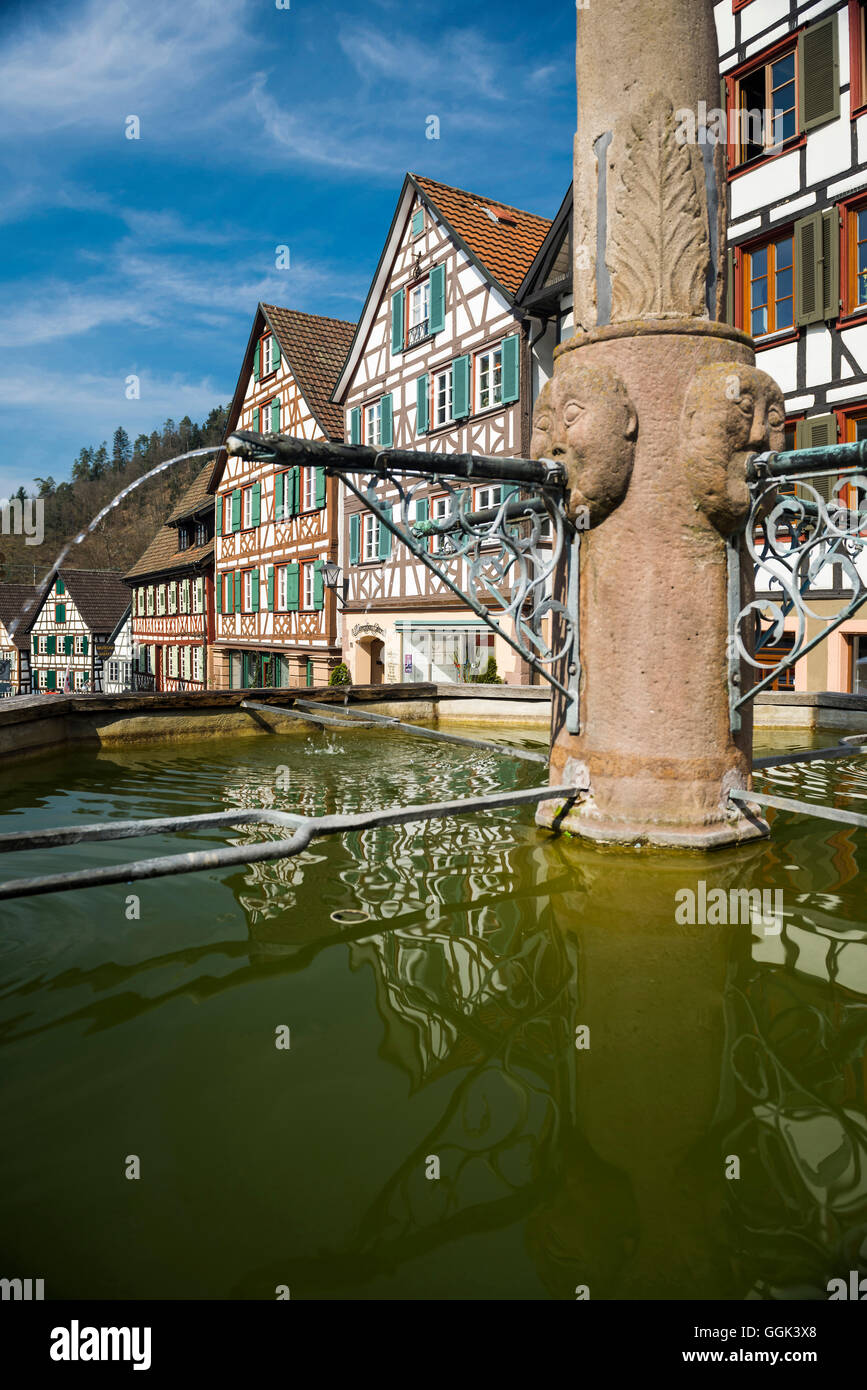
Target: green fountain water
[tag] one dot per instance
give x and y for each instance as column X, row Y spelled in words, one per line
column 529, row 1013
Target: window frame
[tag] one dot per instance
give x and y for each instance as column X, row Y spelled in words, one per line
column 308, row 579
column 247, row 590
column 848, row 210
column 491, row 351
column 449, row 417
column 732, row 80
column 741, row 254
column 308, row 490
column 857, row 57
column 373, row 416
column 768, row 244
column 266, row 339
column 369, row 531
column 423, row 283
column 281, row 594
column 247, row 508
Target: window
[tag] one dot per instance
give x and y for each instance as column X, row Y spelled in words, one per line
column 439, row 510
column 282, row 589
column 197, row 663
column 201, row 533
column 488, row 496
column 247, row 496
column 419, row 313
column 489, row 378
column 226, row 504
column 81, row 646
column 854, row 257
column 769, row 290
column 859, row 665
column 268, row 356
column 309, row 574
column 247, row 588
column 373, row 424
column 442, row 399
column 765, row 100
column 369, row 536
column 308, row 489
column 858, row 53
column 183, row 538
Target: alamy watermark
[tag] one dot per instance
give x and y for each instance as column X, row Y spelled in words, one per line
column 23, row 518
column 739, row 126
column 714, row 907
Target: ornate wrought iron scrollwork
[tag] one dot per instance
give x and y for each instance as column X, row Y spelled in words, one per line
column 501, row 561
column 792, row 539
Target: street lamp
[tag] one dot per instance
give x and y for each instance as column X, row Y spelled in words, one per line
column 331, row 573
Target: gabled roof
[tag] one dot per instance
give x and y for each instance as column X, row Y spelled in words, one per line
column 19, row 604
column 550, row 274
column 315, row 349
column 500, row 240
column 99, row 595
column 162, row 554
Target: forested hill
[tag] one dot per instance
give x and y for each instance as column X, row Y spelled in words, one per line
column 98, row 475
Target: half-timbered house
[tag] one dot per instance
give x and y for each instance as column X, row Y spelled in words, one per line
column 173, row 596
column 276, row 623
column 70, row 635
column 19, row 604
column 440, row 361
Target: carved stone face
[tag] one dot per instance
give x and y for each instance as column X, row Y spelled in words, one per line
column 731, row 411
column 585, row 421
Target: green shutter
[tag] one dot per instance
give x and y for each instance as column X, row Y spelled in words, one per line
column 256, row 508
column 256, row 364
column 461, row 387
column 355, row 425
column 218, row 590
column 385, row 536
column 218, row 515
column 320, row 487
column 418, row 222
column 318, row 586
column 437, row 321
column 354, row 541
column 809, row 289
column 84, row 645
column 257, row 422
column 819, row 74
column 387, row 422
column 292, row 587
column 275, row 415
column 730, row 286
column 52, row 644
column 817, row 432
column 254, row 591
column 279, row 489
column 397, row 321
column 270, row 583
column 237, row 591
column 236, row 509
column 60, row 612
column 511, row 372
column 422, row 424
column 830, row 263
column 275, row 352
column 422, row 508
column 293, row 486
column 51, row 680
column 68, row 642
column 60, row 587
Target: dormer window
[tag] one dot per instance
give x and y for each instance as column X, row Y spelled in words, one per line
column 268, row 355
column 201, row 532
column 183, row 538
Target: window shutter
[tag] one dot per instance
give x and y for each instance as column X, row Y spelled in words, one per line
column 257, row 421
column 67, row 644
column 830, row 263
column 318, row 586
column 84, row 645
column 275, row 352
column 437, row 299
column 218, row 515
column 461, row 387
column 320, row 487
column 294, row 488
column 52, row 644
column 200, row 594
column 254, row 592
column 237, row 591
column 422, row 508
column 397, row 321
column 385, row 536
column 35, row 645
column 816, row 433
column 809, row 294
column 256, row 508
column 355, row 425
column 236, row 509
column 275, row 415
column 819, row 74
column 511, row 372
column 256, row 364
column 60, row 586
column 51, row 680
column 387, row 422
column 354, row 541
column 418, row 222
column 218, row 590
column 421, row 401
column 292, row 587
column 270, row 582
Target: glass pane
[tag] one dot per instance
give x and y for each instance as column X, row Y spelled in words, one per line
column 785, row 315
column 759, row 261
column 759, row 322
column 784, row 253
column 759, row 293
column 784, row 283
column 783, row 70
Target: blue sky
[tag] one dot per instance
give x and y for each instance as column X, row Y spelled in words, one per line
column 259, row 127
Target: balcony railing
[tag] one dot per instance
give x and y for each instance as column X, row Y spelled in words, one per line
column 417, row 333
column 143, row 680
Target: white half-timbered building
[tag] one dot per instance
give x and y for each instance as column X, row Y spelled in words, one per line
column 276, row 624
column 119, row 659
column 440, row 361
column 173, row 596
column 70, row 636
column 19, row 605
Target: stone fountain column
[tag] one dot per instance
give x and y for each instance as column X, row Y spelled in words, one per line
column 654, row 407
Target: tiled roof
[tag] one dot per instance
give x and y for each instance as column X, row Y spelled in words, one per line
column 503, row 238
column 14, row 599
column 316, row 349
column 163, row 553
column 100, row 596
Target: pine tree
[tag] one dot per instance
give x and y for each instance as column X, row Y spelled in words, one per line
column 121, row 452
column 100, row 462
column 81, row 467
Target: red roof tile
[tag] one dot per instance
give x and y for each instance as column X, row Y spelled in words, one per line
column 503, row 238
column 316, row 349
